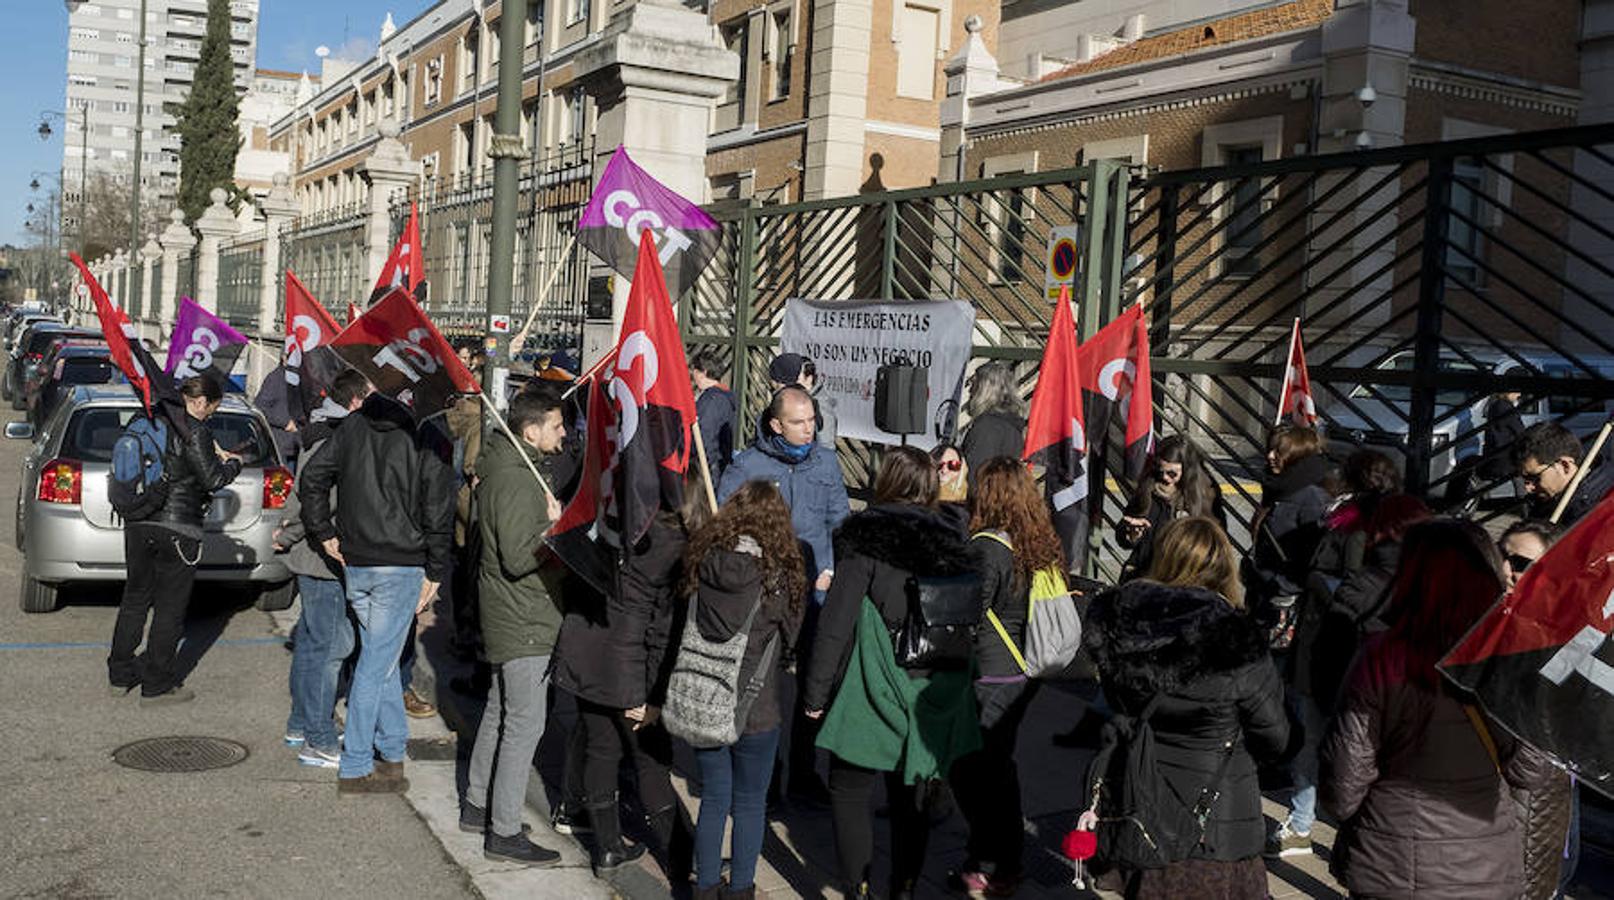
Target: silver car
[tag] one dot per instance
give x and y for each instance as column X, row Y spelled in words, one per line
column 68, row 532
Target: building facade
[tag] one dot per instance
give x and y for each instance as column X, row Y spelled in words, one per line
column 102, row 55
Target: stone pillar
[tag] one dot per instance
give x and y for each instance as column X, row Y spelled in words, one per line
column 149, row 254
column 117, row 280
column 837, row 100
column 655, row 74
column 176, row 241
column 216, row 224
column 1367, row 46
column 278, row 208
column 387, row 168
column 971, row 72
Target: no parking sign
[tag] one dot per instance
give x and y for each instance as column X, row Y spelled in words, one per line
column 1060, row 270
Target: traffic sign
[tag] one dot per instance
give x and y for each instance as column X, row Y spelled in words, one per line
column 1062, row 260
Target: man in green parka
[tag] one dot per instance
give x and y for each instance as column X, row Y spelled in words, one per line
column 520, row 618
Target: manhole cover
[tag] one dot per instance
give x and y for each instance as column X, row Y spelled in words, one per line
column 179, row 754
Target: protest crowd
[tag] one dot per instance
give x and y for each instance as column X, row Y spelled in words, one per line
column 617, row 541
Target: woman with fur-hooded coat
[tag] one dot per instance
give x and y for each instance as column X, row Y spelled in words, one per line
column 877, row 552
column 1209, row 662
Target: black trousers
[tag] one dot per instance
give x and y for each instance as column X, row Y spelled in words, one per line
column 802, row 754
column 986, row 785
column 162, row 568
column 607, row 737
column 851, row 790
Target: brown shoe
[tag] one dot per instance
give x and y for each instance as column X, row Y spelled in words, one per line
column 373, row 783
column 416, row 707
column 389, row 770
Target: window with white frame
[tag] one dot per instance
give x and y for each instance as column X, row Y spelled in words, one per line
column 535, row 22
column 576, row 115
column 779, row 48
column 919, row 37
column 576, row 11
column 468, row 59
column 434, row 80
column 1238, row 204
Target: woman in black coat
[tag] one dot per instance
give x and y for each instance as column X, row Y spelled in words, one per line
column 1176, row 484
column 997, row 416
column 1182, row 636
column 1288, row 526
column 611, row 655
column 877, row 553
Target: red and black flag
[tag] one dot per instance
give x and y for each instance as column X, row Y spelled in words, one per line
column 296, row 389
column 128, row 354
column 641, row 407
column 1115, row 371
column 1541, row 661
column 406, row 264
column 404, row 356
column 627, row 204
column 1056, row 433
column 1295, row 399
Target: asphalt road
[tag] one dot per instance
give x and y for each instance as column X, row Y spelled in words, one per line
column 75, row 824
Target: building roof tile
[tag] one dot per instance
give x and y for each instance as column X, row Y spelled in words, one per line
column 1243, row 26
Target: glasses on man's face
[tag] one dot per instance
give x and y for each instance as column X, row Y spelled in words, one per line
column 1533, row 477
column 1518, row 562
column 950, row 465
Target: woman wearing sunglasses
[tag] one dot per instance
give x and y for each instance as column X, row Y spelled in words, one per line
column 953, row 471
column 1522, row 544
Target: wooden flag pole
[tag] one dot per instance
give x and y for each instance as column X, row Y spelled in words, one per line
column 592, row 372
column 520, row 340
column 521, row 449
column 706, row 469
column 1288, row 367
column 1580, row 473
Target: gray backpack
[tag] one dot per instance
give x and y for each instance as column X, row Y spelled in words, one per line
column 706, row 704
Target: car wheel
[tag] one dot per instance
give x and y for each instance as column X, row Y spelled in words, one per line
column 37, row 596
column 276, row 597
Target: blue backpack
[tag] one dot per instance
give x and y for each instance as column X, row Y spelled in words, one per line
column 138, row 489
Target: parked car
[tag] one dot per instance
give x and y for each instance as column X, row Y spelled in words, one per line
column 1378, row 417
column 34, row 374
column 30, row 349
column 69, row 534
column 21, row 320
column 69, row 366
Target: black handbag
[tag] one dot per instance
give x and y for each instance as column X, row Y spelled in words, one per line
column 939, row 629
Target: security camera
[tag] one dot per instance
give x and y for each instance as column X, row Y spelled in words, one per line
column 1366, row 96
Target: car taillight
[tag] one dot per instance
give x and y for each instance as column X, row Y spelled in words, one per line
column 277, row 485
column 35, row 357
column 61, row 481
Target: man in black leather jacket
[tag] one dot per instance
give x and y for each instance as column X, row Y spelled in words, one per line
column 392, row 533
column 162, row 551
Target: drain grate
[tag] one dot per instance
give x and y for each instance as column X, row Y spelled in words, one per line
column 179, row 754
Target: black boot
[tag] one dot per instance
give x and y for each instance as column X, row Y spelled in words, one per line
column 518, row 849
column 715, row 892
column 745, row 893
column 675, row 842
column 610, row 851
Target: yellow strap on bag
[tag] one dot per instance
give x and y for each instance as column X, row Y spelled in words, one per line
column 991, row 616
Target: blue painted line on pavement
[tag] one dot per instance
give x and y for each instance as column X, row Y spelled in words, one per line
column 81, row 645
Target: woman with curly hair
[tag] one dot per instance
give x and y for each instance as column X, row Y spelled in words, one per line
column 745, row 556
column 1012, row 539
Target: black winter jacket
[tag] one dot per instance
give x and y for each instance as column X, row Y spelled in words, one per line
column 1210, row 662
column 1289, row 526
column 876, row 552
column 1503, row 425
column 1597, row 484
column 194, row 472
column 730, row 586
column 397, row 481
column 990, row 435
column 613, row 650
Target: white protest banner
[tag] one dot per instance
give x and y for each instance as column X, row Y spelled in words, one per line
column 850, row 340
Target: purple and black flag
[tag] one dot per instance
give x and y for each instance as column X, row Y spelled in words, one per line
column 202, row 342
column 628, row 202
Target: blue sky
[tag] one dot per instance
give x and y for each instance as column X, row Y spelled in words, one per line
column 33, row 68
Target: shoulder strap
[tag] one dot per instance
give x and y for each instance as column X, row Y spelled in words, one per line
column 1008, row 642
column 993, row 536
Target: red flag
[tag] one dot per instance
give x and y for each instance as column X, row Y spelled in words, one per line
column 128, row 353
column 571, row 536
column 1539, row 661
column 1296, row 400
column 404, row 356
column 406, row 265
column 1115, row 364
column 311, row 365
column 1057, row 431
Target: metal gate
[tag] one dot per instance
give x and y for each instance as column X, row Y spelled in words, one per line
column 1426, row 277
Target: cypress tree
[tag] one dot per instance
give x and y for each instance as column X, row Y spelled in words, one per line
column 206, row 120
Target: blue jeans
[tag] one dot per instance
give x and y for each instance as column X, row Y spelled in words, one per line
column 734, row 780
column 1303, row 768
column 383, row 599
column 322, row 639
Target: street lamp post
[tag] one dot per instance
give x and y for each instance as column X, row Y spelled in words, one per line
column 44, row 131
column 140, row 131
column 507, row 152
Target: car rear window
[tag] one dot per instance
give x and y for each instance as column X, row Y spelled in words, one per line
column 41, row 340
column 92, row 432
column 87, row 370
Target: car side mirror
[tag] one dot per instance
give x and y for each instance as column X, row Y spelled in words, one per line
column 19, row 431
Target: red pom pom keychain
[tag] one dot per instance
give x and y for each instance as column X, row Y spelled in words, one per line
column 1080, row 844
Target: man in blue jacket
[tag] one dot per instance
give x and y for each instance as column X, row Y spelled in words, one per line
column 808, row 475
